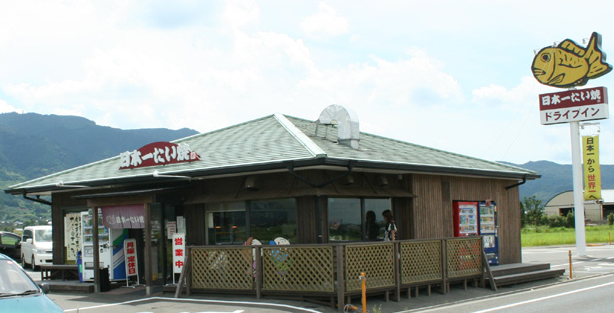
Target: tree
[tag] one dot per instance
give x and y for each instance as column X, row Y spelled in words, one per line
column 532, row 211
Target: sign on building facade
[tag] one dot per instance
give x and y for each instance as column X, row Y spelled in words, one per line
column 157, row 153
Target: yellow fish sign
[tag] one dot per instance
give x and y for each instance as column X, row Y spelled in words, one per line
column 569, row 65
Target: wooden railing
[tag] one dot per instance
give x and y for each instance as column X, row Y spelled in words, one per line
column 331, row 272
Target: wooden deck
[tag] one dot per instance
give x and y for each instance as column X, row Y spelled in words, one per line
column 517, row 273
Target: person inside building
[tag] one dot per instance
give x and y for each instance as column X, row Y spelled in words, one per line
column 390, row 229
column 372, row 227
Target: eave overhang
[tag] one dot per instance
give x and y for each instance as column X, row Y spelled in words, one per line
column 277, row 166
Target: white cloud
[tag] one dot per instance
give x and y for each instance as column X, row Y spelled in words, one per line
column 5, row 107
column 239, row 13
column 325, row 24
column 207, row 65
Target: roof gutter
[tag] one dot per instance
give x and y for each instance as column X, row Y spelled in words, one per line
column 37, row 199
column 524, row 180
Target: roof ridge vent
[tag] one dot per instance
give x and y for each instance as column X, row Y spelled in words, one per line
column 348, row 132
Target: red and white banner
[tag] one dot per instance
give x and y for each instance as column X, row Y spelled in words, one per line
column 178, row 252
column 132, row 265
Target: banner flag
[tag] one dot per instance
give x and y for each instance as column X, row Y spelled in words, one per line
column 592, row 169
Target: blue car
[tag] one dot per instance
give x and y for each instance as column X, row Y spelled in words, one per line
column 19, row 293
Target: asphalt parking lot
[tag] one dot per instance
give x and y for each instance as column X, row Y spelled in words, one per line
column 598, row 261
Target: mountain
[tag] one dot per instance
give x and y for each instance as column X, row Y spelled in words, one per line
column 33, row 145
column 556, row 178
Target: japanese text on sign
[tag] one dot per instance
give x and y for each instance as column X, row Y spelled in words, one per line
column 131, row 260
column 592, row 169
column 124, row 216
column 178, row 252
column 157, row 153
column 574, row 105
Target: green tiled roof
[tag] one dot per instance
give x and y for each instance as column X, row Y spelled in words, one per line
column 273, row 142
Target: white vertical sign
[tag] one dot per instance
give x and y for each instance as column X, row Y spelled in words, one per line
column 178, row 252
column 132, row 265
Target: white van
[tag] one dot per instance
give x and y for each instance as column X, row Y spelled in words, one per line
column 36, row 245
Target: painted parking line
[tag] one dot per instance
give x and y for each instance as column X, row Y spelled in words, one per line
column 260, row 304
column 511, row 305
column 438, row 308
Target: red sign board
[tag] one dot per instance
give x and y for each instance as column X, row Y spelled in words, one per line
column 158, row 153
column 178, row 252
column 574, row 105
column 131, row 258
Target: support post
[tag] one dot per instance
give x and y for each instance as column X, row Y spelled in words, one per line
column 148, row 252
column 340, row 277
column 578, row 188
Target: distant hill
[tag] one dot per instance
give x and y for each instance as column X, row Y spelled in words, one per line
column 33, row 145
column 557, row 178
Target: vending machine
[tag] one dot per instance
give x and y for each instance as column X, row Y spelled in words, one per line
column 488, row 229
column 111, row 248
column 465, row 218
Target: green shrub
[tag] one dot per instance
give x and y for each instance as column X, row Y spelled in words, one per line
column 556, row 221
column 611, row 219
column 570, row 221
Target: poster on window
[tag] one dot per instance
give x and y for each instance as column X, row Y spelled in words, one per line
column 72, row 235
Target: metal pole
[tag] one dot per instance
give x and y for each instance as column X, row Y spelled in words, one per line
column 570, row 267
column 578, row 194
column 363, row 277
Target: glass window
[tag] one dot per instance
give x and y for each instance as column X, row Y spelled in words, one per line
column 42, row 235
column 270, row 219
column 354, row 219
column 374, row 229
column 344, row 219
column 9, row 239
column 226, row 223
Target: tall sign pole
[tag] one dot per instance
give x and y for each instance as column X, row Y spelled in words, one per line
column 578, row 195
column 569, row 65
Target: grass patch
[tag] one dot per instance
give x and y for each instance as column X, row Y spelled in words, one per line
column 546, row 236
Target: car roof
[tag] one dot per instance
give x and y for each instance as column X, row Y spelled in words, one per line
column 8, row 232
column 5, row 257
column 37, row 226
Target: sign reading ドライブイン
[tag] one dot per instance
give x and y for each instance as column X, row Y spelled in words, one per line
column 574, row 105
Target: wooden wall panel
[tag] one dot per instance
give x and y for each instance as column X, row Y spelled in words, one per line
column 433, row 208
column 307, row 208
column 428, row 211
column 195, row 224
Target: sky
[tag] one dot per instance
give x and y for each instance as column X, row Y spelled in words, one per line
column 451, row 75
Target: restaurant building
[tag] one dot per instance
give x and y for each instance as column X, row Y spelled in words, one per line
column 309, row 182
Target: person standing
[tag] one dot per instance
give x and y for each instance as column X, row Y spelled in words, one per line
column 391, row 228
column 372, row 227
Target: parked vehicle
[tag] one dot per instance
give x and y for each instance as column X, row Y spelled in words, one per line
column 19, row 293
column 10, row 244
column 36, row 246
